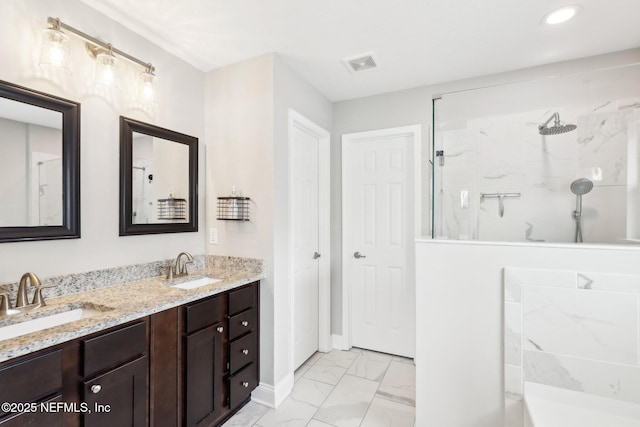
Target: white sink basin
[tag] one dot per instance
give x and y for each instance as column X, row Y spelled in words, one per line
column 196, row 283
column 45, row 322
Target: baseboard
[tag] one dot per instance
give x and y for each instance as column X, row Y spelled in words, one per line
column 337, row 342
column 268, row 395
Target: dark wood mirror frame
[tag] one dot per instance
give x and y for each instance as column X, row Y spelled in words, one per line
column 127, row 227
column 70, row 228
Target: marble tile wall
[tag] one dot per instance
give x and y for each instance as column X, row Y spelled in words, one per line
column 575, row 330
column 505, row 153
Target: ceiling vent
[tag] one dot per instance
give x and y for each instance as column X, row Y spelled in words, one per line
column 360, row 63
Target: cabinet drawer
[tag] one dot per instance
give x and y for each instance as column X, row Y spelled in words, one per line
column 242, row 299
column 31, row 379
column 242, row 384
column 242, row 323
column 38, row 418
column 114, row 347
column 243, row 351
column 205, row 313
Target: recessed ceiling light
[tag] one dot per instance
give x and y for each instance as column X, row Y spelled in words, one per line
column 561, row 15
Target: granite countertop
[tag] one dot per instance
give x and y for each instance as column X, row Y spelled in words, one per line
column 118, row 304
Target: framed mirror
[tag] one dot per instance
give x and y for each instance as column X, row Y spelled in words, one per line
column 39, row 165
column 158, row 179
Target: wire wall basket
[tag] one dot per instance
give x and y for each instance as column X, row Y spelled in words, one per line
column 233, row 208
column 172, row 209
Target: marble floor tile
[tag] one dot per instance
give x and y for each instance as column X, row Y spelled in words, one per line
column 247, row 416
column 311, row 392
column 386, row 413
column 403, row 360
column 370, row 365
column 316, row 423
column 338, row 358
column 330, row 367
column 300, row 371
column 290, row 413
column 314, row 358
column 327, row 374
column 399, row 383
column 347, row 404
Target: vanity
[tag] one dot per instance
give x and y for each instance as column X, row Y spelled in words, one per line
column 156, row 355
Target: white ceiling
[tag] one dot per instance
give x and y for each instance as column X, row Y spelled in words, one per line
column 417, row 42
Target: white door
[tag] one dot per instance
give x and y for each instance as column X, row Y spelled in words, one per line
column 304, row 243
column 378, row 225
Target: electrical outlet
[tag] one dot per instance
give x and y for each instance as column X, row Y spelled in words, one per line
column 213, row 236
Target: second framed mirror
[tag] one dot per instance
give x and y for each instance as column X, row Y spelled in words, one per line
column 158, row 179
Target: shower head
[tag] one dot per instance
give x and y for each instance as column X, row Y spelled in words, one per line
column 557, row 127
column 581, row 186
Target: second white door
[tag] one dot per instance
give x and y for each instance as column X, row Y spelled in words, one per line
column 378, row 225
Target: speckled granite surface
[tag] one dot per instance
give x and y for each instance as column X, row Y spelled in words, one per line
column 114, row 304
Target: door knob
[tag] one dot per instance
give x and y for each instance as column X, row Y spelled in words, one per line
column 358, row 255
column 316, row 255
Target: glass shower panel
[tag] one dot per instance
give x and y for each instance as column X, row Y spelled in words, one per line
column 507, row 159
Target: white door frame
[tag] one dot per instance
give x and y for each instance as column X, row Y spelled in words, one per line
column 297, row 120
column 415, row 132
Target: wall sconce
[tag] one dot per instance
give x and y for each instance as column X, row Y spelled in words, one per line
column 56, row 52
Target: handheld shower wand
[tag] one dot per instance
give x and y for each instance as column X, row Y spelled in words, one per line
column 580, row 187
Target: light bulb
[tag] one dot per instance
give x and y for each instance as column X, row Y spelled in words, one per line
column 106, row 69
column 146, row 87
column 55, row 50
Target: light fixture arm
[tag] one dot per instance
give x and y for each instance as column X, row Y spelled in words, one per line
column 98, row 45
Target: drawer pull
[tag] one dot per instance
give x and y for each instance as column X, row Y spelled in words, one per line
column 245, row 351
column 245, row 323
column 245, row 384
column 220, row 329
column 95, row 389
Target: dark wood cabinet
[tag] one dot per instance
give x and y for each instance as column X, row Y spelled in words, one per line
column 118, row 397
column 204, row 376
column 193, row 365
column 220, row 355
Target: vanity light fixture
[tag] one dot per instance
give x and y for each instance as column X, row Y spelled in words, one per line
column 55, row 48
column 56, row 52
column 561, row 15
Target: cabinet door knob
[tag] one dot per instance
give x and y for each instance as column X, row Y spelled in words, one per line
column 245, row 384
column 245, row 351
column 220, row 329
column 96, row 388
column 245, row 323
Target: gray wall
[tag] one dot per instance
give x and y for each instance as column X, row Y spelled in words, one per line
column 180, row 106
column 410, row 107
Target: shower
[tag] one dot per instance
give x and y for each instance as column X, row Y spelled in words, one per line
column 557, row 127
column 580, row 187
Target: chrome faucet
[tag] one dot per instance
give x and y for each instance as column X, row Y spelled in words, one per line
column 180, row 268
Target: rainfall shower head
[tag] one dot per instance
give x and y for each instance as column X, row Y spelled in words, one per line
column 557, row 127
column 581, row 186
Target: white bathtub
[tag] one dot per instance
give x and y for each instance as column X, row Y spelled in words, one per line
column 555, row 407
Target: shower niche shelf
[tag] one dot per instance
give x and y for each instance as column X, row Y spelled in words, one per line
column 233, row 208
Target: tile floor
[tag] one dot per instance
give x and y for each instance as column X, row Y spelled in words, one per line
column 358, row 388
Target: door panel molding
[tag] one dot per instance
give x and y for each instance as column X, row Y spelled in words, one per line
column 348, row 141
